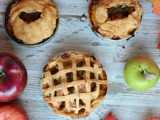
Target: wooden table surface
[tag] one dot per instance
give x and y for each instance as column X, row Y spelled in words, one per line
column 74, row 34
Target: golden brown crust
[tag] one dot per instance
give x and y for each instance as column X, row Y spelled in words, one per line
column 109, row 26
column 74, row 84
column 36, row 31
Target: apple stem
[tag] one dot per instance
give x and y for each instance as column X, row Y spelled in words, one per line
column 2, row 75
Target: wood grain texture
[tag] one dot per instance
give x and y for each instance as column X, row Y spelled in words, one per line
column 74, row 35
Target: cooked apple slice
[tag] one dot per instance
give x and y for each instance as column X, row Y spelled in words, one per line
column 101, row 14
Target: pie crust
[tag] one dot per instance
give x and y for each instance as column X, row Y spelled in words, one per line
column 115, row 19
column 31, row 22
column 73, row 84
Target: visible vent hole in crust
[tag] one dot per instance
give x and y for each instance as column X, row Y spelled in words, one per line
column 92, row 64
column 55, row 93
column 80, row 75
column 74, row 103
column 93, row 87
column 62, row 106
column 71, row 90
column 45, row 86
column 54, row 70
column 67, row 64
column 81, row 102
column 57, row 81
column 69, row 77
column 92, row 75
column 81, row 111
column 30, row 17
column 119, row 12
column 81, row 63
column 82, row 89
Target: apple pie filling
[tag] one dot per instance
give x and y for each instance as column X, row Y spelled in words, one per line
column 120, row 12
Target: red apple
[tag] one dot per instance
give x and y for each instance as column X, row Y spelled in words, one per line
column 153, row 118
column 12, row 112
column 13, row 77
column 158, row 47
column 110, row 116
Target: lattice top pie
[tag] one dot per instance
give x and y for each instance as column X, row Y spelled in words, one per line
column 74, row 84
column 115, row 19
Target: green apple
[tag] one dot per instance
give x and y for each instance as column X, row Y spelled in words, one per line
column 141, row 73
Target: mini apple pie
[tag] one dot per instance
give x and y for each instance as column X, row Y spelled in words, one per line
column 73, row 84
column 31, row 22
column 115, row 19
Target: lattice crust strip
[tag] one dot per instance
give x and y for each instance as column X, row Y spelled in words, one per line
column 73, row 84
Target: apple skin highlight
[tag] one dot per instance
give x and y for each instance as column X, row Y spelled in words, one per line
column 134, row 73
column 15, row 77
